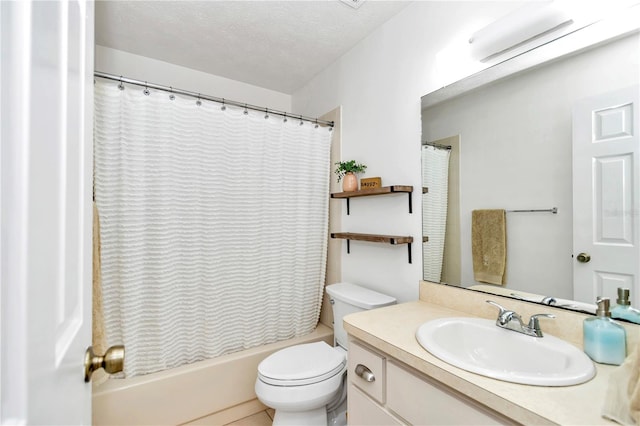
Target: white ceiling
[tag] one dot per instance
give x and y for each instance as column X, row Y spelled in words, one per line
column 279, row 45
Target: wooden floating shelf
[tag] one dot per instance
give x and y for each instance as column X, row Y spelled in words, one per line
column 374, row 191
column 395, row 189
column 374, row 238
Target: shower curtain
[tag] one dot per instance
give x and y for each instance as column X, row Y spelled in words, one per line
column 213, row 225
column 435, row 176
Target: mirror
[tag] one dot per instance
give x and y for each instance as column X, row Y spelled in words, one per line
column 510, row 145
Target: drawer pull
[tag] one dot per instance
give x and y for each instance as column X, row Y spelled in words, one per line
column 365, row 373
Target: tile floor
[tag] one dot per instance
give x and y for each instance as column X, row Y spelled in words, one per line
column 263, row 418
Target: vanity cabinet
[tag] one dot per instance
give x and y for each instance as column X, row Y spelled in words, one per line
column 395, row 394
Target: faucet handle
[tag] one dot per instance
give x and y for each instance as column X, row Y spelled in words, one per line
column 502, row 309
column 504, row 316
column 534, row 323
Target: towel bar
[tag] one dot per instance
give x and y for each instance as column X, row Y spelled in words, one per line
column 553, row 210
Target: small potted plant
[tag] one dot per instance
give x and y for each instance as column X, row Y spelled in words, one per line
column 348, row 170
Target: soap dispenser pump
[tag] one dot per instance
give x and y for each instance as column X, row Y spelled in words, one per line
column 604, row 339
column 623, row 309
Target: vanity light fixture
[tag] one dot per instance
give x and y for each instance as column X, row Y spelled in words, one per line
column 516, row 28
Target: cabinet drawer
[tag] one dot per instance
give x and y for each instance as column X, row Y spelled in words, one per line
column 362, row 410
column 425, row 402
column 374, row 363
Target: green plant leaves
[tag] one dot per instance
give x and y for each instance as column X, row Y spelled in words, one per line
column 344, row 167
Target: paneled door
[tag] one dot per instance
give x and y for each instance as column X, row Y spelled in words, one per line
column 46, row 185
column 606, row 191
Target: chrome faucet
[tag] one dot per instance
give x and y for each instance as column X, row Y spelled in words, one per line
column 548, row 300
column 512, row 321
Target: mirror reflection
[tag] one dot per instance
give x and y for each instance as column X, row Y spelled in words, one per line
column 517, row 146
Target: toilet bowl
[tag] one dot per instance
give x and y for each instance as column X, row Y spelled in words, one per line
column 300, row 381
column 306, row 384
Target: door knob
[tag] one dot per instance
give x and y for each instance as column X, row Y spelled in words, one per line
column 583, row 257
column 112, row 361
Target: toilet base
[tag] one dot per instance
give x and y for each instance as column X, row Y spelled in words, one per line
column 338, row 417
column 317, row 417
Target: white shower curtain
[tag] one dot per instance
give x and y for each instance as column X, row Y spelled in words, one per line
column 435, row 176
column 213, row 226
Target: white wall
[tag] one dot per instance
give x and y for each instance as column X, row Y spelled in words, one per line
column 516, row 153
column 117, row 62
column 379, row 84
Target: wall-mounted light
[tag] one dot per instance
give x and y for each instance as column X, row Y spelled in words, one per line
column 518, row 27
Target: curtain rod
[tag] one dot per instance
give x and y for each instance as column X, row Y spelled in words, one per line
column 223, row 101
column 436, row 145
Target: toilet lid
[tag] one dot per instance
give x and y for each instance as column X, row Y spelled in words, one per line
column 302, row 365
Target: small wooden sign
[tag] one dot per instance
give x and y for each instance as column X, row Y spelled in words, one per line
column 370, row 183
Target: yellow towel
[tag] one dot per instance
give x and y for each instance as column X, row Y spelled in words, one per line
column 98, row 336
column 622, row 401
column 489, row 245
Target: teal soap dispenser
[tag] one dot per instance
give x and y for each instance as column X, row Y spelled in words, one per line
column 604, row 339
column 623, row 309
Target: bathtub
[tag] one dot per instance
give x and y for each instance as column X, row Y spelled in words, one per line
column 216, row 391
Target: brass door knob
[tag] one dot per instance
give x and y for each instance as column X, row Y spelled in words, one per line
column 112, row 361
column 583, row 257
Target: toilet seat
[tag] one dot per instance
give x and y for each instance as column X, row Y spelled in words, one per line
column 301, row 365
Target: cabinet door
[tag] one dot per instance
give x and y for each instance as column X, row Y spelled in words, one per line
column 362, row 410
column 422, row 401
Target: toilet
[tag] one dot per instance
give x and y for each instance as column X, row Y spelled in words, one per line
column 306, row 384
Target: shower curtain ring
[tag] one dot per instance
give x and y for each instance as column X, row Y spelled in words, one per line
column 146, row 89
column 245, row 110
column 198, row 102
column 171, row 96
column 285, row 118
column 301, row 121
column 316, row 126
column 121, row 85
column 224, row 107
column 266, row 113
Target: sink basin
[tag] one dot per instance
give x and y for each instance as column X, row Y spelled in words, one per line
column 479, row 346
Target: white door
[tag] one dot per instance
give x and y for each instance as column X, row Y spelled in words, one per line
column 606, row 188
column 46, row 188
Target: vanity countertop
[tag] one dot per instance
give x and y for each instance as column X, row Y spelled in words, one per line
column 392, row 330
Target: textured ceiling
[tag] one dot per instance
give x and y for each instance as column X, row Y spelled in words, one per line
column 279, row 45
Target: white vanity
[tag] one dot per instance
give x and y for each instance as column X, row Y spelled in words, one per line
column 400, row 394
column 411, row 386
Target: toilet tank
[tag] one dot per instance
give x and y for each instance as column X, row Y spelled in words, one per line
column 347, row 298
